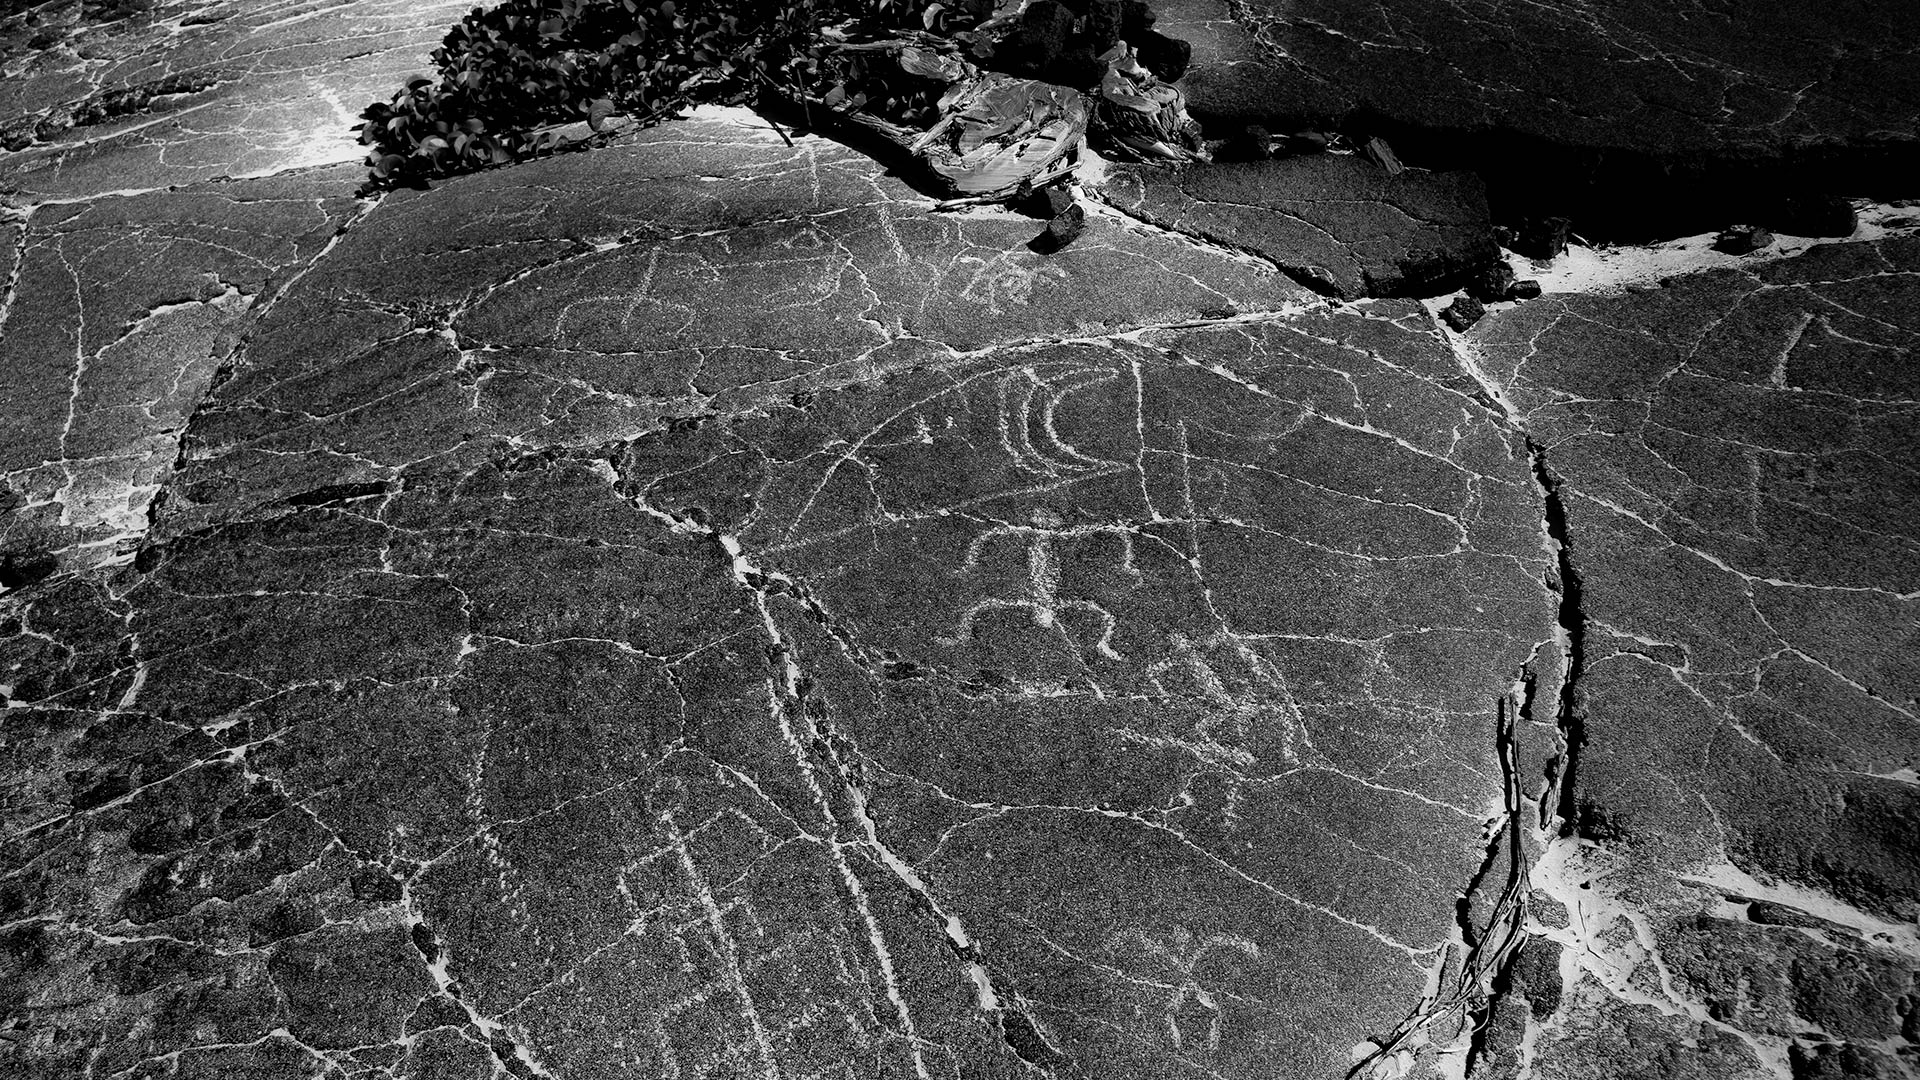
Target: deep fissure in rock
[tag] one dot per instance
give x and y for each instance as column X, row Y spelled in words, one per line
column 1513, row 898
column 1485, row 953
column 1571, row 618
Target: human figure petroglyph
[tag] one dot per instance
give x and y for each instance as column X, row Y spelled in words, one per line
column 1025, row 397
column 1174, row 963
column 1041, row 598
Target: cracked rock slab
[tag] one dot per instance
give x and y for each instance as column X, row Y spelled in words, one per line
column 1641, row 76
column 1336, row 222
column 1638, row 119
column 1733, row 449
column 1187, row 676
column 550, row 307
column 120, row 315
column 820, row 632
column 244, row 89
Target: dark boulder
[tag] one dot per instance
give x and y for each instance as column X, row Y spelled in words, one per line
column 1463, row 313
column 1742, row 240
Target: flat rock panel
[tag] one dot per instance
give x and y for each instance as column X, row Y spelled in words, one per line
column 1124, row 641
column 819, row 631
column 222, row 89
column 1733, row 450
column 1337, row 222
column 118, row 317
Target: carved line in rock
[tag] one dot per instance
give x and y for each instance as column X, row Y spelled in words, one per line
column 786, row 693
column 1220, row 739
column 1039, row 603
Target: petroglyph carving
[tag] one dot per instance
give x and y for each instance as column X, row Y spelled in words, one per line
column 1250, row 717
column 1262, row 693
column 1006, row 278
column 1041, row 597
column 1179, row 964
column 806, row 266
column 1019, row 391
column 723, row 949
column 664, row 316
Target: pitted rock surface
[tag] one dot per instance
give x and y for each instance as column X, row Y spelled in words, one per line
column 1662, row 78
column 103, row 95
column 696, row 608
column 1338, row 223
column 1732, row 481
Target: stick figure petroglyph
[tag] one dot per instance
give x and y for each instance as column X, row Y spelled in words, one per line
column 1174, row 964
column 1042, row 596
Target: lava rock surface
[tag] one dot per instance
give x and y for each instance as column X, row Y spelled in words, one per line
column 1338, row 223
column 700, row 608
column 1637, row 118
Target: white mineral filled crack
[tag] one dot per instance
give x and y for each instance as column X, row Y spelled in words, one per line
column 438, row 961
column 785, row 694
column 1088, row 198
column 782, row 694
column 18, row 221
column 1909, row 777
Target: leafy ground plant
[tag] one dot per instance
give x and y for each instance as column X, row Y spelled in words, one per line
column 509, row 75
